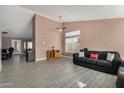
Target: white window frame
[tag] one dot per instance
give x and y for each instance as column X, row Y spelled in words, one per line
column 71, row 35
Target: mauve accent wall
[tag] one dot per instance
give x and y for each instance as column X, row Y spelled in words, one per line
column 99, row 34
column 45, row 31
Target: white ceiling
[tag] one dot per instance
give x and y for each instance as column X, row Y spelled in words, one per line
column 16, row 20
column 79, row 12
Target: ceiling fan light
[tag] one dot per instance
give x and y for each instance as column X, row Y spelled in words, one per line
column 60, row 30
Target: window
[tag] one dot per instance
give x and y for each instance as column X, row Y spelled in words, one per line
column 72, row 41
column 73, row 33
column 24, row 45
column 29, row 45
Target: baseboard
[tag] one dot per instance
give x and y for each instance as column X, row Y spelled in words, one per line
column 46, row 58
column 40, row 59
column 18, row 53
column 67, row 56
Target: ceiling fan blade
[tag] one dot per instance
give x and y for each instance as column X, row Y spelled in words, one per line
column 64, row 27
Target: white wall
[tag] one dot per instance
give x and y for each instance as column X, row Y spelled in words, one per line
column 17, row 21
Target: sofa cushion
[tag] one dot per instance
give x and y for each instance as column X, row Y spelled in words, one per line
column 102, row 55
column 90, row 60
column 86, row 53
column 104, row 63
column 81, row 59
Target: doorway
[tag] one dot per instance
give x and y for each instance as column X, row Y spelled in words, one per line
column 16, row 44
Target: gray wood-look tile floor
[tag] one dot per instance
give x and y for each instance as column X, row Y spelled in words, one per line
column 60, row 73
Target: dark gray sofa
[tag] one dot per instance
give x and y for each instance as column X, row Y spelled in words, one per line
column 100, row 64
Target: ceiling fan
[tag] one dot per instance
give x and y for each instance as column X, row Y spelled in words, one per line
column 61, row 28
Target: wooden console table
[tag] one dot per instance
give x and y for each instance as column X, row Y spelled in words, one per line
column 52, row 54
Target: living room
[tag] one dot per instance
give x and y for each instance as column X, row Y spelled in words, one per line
column 84, row 36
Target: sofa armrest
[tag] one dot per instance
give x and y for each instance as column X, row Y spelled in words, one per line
column 75, row 55
column 120, row 77
column 117, row 61
column 122, row 63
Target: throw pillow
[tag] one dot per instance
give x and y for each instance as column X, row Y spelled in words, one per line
column 81, row 54
column 95, row 56
column 86, row 53
column 110, row 56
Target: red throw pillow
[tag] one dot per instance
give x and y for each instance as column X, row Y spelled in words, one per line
column 95, row 56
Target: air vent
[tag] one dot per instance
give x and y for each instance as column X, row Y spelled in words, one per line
column 4, row 32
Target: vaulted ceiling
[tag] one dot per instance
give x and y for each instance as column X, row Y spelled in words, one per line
column 79, row 12
column 17, row 20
